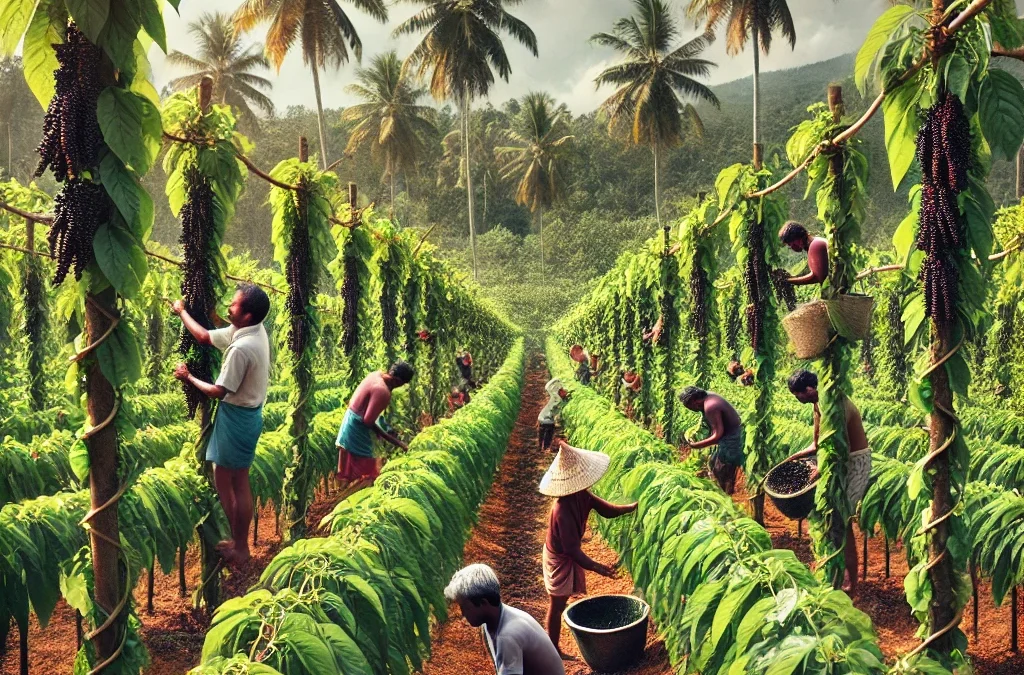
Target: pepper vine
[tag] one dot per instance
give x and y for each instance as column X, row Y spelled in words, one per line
column 303, row 247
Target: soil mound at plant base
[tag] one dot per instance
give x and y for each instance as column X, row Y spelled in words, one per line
column 789, row 478
column 606, row 613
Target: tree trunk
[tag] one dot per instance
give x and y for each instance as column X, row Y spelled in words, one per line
column 943, row 605
column 469, row 182
column 757, row 74
column 657, row 186
column 540, row 231
column 392, row 195
column 320, row 118
column 103, row 482
column 10, row 153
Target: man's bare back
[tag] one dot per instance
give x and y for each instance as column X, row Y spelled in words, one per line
column 855, row 427
column 718, row 411
column 817, row 258
column 370, row 398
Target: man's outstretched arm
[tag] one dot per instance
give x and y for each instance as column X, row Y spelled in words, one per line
column 201, row 335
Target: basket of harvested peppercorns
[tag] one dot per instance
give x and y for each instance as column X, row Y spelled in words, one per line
column 791, row 489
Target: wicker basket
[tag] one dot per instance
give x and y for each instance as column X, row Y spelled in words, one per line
column 796, row 506
column 809, row 329
column 851, row 315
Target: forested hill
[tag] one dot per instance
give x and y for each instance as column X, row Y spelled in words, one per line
column 785, row 96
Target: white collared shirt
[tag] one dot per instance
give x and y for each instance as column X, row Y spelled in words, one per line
column 521, row 647
column 245, row 371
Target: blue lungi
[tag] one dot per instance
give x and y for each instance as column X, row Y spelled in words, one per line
column 236, row 430
column 355, row 436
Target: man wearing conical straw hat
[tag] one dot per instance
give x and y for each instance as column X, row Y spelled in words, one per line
column 568, row 479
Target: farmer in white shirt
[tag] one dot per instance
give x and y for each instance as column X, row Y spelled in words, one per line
column 516, row 642
column 241, row 388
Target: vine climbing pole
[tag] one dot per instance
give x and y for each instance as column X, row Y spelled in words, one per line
column 840, row 207
column 752, row 221
column 34, row 301
column 669, row 314
column 303, row 246
column 101, row 134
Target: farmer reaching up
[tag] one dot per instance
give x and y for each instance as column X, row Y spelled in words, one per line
column 241, row 388
column 516, row 642
column 568, row 479
column 726, row 432
column 796, row 236
column 804, row 386
column 357, row 467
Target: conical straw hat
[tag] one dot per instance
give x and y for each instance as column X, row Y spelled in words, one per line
column 572, row 471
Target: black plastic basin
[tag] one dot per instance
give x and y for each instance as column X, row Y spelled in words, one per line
column 610, row 630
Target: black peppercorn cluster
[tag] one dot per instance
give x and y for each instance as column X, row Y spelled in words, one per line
column 784, row 291
column 350, row 289
column 298, row 271
column 78, row 210
column 198, row 283
column 733, row 323
column 699, row 298
column 756, row 278
column 789, row 478
column 389, row 305
column 894, row 351
column 944, row 153
column 71, row 133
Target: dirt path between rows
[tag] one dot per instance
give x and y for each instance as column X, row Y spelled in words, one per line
column 509, row 537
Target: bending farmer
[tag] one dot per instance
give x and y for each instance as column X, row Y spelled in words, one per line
column 242, row 389
column 804, row 386
column 357, row 467
column 515, row 641
column 726, row 433
column 557, row 395
column 796, row 236
column 569, row 478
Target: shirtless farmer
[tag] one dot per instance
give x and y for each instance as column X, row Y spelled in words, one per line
column 804, row 386
column 241, row 388
column 357, row 467
column 726, row 433
column 796, row 236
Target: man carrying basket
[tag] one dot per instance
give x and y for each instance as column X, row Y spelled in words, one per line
column 804, row 386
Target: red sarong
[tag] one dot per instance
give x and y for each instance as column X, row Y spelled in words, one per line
column 352, row 467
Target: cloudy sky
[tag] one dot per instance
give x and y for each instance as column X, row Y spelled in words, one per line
column 567, row 63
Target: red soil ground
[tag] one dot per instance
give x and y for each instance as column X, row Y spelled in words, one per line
column 884, row 600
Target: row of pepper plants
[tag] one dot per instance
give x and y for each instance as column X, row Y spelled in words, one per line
column 947, row 113
column 361, row 600
column 86, row 64
column 745, row 607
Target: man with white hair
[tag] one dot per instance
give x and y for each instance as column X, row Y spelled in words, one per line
column 516, row 642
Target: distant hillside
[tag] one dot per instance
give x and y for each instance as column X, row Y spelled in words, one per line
column 785, row 96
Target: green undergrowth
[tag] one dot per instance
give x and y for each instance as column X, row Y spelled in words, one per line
column 362, row 599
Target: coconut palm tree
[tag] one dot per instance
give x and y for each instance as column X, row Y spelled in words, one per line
column 535, row 156
column 389, row 120
column 651, row 79
column 461, row 48
column 221, row 56
column 323, row 29
column 744, row 20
